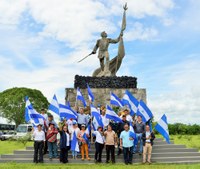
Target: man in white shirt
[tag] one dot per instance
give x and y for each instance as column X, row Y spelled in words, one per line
column 128, row 116
column 82, row 118
column 103, row 116
column 39, row 139
column 99, row 144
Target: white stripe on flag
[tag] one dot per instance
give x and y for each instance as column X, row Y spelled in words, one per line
column 143, row 112
column 54, row 103
column 163, row 125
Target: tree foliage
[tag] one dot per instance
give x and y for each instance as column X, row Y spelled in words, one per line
column 12, row 103
column 182, row 129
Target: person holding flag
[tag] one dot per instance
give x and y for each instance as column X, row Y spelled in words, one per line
column 83, row 142
column 147, row 138
column 126, row 143
column 120, row 128
column 105, row 120
column 74, row 140
column 64, row 143
column 82, row 117
column 139, row 128
column 99, row 144
column 39, row 140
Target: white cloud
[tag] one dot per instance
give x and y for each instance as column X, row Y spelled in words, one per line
column 11, row 10
column 181, row 102
column 139, row 32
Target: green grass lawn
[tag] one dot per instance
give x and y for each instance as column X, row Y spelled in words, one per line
column 99, row 166
column 7, row 147
column 191, row 141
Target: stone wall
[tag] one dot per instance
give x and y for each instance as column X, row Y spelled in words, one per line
column 102, row 95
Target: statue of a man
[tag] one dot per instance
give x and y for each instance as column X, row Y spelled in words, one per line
column 103, row 44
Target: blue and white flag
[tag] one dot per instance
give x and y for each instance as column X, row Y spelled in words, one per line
column 67, row 112
column 114, row 100
column 162, row 128
column 110, row 114
column 97, row 119
column 90, row 94
column 88, row 130
column 144, row 111
column 132, row 134
column 54, row 109
column 80, row 97
column 31, row 115
column 68, row 105
column 74, row 143
column 131, row 101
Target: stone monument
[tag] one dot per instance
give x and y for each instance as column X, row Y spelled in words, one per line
column 104, row 79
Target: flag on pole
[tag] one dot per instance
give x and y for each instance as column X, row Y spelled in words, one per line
column 110, row 114
column 97, row 119
column 68, row 105
column 114, row 100
column 144, row 111
column 90, row 94
column 74, row 143
column 31, row 115
column 131, row 101
column 66, row 112
column 80, row 97
column 132, row 134
column 162, row 128
column 54, row 109
column 88, row 130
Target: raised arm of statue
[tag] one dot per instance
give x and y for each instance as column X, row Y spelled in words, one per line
column 114, row 40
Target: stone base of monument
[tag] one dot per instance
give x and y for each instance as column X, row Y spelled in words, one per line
column 101, row 88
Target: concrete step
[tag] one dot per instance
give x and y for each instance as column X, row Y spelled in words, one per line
column 92, row 146
column 163, row 154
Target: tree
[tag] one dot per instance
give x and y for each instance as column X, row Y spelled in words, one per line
column 12, row 103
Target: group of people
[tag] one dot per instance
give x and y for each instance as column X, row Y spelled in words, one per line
column 112, row 136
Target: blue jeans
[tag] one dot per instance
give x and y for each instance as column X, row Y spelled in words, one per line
column 74, row 153
column 53, row 150
column 128, row 154
column 139, row 140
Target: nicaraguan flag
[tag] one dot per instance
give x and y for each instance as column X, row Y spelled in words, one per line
column 132, row 134
column 88, row 130
column 144, row 111
column 66, row 112
column 68, row 105
column 97, row 119
column 110, row 114
column 90, row 94
column 162, row 128
column 86, row 139
column 131, row 101
column 114, row 100
column 80, row 97
column 31, row 115
column 74, row 143
column 54, row 109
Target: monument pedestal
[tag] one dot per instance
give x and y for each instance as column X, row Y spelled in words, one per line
column 101, row 88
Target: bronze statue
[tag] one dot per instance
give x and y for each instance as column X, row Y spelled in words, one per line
column 103, row 44
column 110, row 67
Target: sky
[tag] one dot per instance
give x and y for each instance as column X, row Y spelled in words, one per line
column 41, row 42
